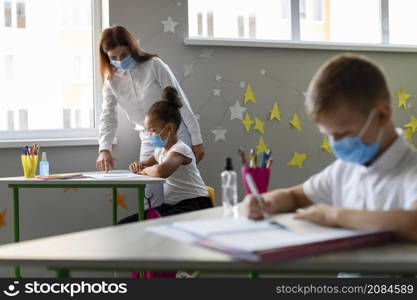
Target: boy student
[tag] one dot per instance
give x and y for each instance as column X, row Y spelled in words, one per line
column 373, row 183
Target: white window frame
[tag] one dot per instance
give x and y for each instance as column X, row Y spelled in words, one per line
column 296, row 43
column 69, row 137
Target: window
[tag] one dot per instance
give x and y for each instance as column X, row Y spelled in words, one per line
column 318, row 10
column 342, row 23
column 262, row 19
column 7, row 13
column 8, row 67
column 21, row 14
column 402, row 22
column 48, row 79
column 303, row 11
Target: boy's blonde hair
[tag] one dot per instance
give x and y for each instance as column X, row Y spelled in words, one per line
column 346, row 79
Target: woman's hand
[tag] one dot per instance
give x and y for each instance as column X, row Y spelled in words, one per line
column 198, row 152
column 136, row 167
column 104, row 161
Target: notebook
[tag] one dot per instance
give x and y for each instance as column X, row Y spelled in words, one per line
column 278, row 238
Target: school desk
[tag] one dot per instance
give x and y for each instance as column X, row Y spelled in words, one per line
column 137, row 182
column 130, row 247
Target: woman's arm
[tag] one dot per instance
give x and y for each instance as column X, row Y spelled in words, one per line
column 108, row 119
column 163, row 170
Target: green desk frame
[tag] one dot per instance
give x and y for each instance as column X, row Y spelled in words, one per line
column 15, row 189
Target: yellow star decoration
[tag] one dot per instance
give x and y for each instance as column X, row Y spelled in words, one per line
column 247, row 122
column 412, row 125
column 120, row 199
column 262, row 147
column 275, row 113
column 297, row 160
column 402, row 98
column 325, row 145
column 249, row 95
column 259, row 125
column 2, row 217
column 408, row 134
column 295, row 122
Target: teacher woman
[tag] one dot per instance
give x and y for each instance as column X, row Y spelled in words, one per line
column 135, row 79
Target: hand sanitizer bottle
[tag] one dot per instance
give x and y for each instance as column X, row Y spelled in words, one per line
column 44, row 166
column 229, row 190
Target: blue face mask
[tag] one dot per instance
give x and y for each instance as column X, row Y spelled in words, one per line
column 352, row 149
column 156, row 140
column 124, row 64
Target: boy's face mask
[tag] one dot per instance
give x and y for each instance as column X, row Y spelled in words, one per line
column 352, row 149
column 156, row 140
column 123, row 64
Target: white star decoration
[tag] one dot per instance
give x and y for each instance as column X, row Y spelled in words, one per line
column 218, row 78
column 188, row 69
column 242, row 84
column 263, row 72
column 207, row 53
column 169, row 25
column 217, row 92
column 237, row 111
column 219, row 134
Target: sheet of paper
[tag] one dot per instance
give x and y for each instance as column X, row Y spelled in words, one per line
column 205, row 228
column 305, row 227
column 110, row 174
column 270, row 239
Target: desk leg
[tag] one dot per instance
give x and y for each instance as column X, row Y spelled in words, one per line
column 114, row 206
column 141, row 211
column 141, row 203
column 63, row 273
column 253, row 274
column 16, row 229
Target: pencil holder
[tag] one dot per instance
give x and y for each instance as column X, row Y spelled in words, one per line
column 29, row 164
column 260, row 177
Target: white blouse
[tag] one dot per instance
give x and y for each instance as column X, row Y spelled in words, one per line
column 135, row 90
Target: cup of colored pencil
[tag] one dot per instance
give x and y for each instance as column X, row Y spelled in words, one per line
column 29, row 159
column 260, row 171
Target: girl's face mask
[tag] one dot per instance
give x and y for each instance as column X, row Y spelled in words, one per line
column 156, row 140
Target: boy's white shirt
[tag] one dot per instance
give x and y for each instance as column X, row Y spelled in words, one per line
column 135, row 90
column 389, row 183
column 186, row 182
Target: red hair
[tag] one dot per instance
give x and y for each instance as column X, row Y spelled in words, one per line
column 119, row 36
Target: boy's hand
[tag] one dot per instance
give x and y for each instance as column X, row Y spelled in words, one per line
column 321, row 214
column 136, row 167
column 254, row 211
